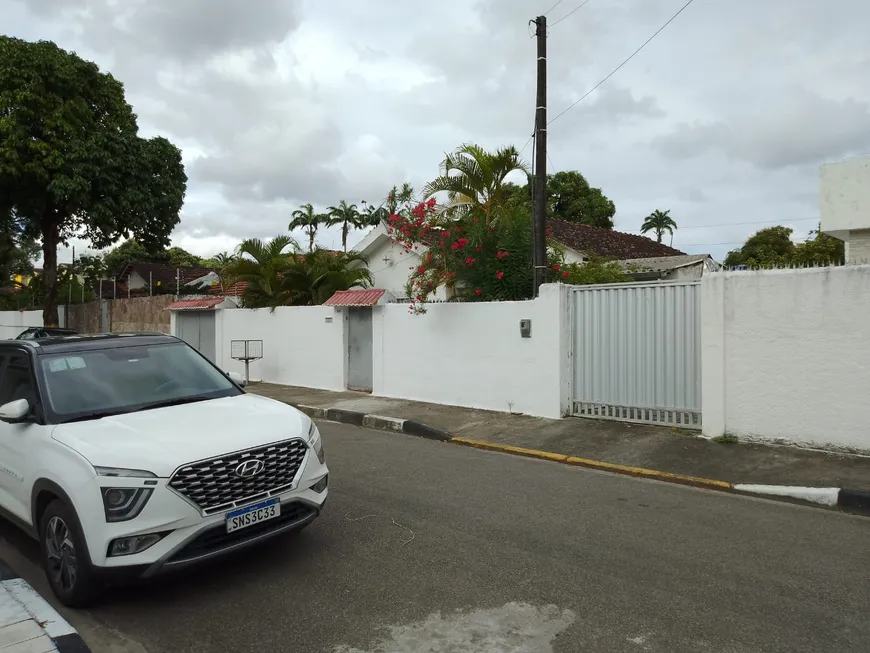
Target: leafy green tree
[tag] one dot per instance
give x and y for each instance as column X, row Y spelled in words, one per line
column 571, row 198
column 17, row 251
column 820, row 249
column 773, row 247
column 770, row 247
column 475, row 178
column 659, row 222
column 91, row 266
column 71, row 160
column 132, row 251
column 306, row 219
column 346, row 215
column 181, row 258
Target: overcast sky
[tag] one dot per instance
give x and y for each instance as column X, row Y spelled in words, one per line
column 724, row 118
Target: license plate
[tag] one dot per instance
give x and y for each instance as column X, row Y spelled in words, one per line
column 259, row 512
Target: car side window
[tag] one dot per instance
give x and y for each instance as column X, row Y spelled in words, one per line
column 16, row 380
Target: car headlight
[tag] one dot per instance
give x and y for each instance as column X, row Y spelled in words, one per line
column 316, row 442
column 124, row 503
column 123, row 473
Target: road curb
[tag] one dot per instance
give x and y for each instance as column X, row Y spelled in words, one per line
column 65, row 638
column 625, row 470
column 846, row 500
column 369, row 420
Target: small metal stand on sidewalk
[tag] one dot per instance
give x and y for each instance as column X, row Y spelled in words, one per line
column 246, row 350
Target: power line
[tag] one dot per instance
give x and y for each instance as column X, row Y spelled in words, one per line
column 742, row 224
column 553, row 7
column 578, row 7
column 615, row 70
column 552, row 165
column 531, row 138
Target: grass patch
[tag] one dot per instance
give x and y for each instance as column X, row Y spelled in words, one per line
column 689, row 433
column 726, row 438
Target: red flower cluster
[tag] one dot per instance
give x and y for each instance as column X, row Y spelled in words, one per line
column 502, row 254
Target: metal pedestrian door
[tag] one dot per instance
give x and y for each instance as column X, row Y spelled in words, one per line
column 197, row 328
column 637, row 352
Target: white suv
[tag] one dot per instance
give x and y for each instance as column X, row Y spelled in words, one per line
column 130, row 455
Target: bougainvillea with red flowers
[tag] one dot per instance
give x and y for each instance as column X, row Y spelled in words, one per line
column 473, row 260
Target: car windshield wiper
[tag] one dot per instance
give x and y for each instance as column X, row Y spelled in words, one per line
column 97, row 414
column 175, row 402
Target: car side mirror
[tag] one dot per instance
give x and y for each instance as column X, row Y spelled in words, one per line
column 15, row 412
column 237, row 378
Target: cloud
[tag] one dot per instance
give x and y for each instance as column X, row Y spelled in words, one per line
column 281, row 102
column 788, row 128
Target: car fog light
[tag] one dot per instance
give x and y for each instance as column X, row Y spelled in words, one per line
column 127, row 546
column 320, row 486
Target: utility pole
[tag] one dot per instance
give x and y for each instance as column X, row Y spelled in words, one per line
column 540, row 189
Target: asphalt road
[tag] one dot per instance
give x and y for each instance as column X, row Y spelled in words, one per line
column 427, row 547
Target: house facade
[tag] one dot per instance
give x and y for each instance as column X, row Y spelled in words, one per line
column 845, row 206
column 390, row 265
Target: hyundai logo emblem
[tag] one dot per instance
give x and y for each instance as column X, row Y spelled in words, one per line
column 250, row 468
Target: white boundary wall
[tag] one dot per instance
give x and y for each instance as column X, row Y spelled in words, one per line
column 786, row 356
column 300, row 347
column 472, row 354
column 13, row 323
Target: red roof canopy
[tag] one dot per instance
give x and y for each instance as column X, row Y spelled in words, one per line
column 355, row 297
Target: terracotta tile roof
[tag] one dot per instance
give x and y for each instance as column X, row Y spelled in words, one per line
column 355, row 297
column 195, row 304
column 607, row 243
column 236, row 289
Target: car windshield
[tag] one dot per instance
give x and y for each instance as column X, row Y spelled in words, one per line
column 95, row 383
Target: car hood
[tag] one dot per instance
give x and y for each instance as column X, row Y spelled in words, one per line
column 162, row 439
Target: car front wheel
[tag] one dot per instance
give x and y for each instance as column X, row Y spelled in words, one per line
column 65, row 557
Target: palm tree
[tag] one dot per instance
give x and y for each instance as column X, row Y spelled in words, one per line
column 473, row 177
column 305, row 218
column 659, row 222
column 398, row 198
column 347, row 216
column 262, row 266
column 316, row 276
column 372, row 215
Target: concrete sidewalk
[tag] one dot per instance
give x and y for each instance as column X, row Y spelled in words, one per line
column 636, row 445
column 28, row 624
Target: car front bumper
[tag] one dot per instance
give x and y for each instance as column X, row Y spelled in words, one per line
column 211, row 541
column 189, row 537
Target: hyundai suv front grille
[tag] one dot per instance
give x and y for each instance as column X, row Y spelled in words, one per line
column 234, row 479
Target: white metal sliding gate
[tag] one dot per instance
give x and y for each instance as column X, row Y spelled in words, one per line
column 637, row 352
